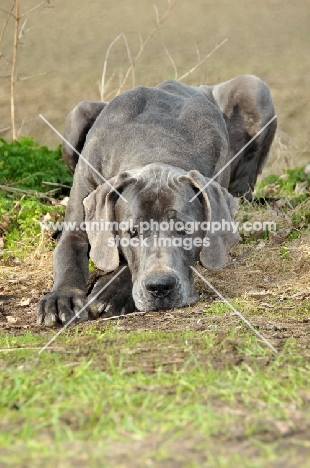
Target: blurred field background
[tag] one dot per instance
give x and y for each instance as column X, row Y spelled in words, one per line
column 66, row 44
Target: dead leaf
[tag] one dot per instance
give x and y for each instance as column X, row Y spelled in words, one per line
column 25, row 302
column 4, row 222
column 259, row 294
column 266, row 305
column 301, row 187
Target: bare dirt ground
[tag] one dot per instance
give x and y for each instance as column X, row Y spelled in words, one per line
column 274, row 289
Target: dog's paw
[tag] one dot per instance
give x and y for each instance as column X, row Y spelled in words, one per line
column 115, row 298
column 60, row 307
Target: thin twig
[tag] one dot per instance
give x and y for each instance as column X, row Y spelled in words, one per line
column 21, row 78
column 197, row 52
column 21, row 32
column 32, row 9
column 116, row 317
column 107, row 84
column 111, row 94
column 20, row 128
column 106, row 63
column 203, row 60
column 164, row 46
column 9, row 13
column 30, row 193
column 5, row 129
column 24, row 78
column 55, row 184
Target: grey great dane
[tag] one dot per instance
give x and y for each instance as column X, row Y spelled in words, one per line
column 150, row 151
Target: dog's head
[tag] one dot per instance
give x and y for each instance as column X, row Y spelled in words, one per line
column 161, row 230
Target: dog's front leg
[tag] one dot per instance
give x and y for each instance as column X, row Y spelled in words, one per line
column 68, row 296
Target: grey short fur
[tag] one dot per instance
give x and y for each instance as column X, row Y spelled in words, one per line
column 158, row 147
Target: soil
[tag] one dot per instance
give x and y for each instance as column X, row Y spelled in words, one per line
column 265, row 281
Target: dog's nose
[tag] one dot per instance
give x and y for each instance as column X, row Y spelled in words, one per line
column 160, row 285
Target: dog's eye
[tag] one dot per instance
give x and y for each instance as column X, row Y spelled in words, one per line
column 133, row 233
column 181, row 232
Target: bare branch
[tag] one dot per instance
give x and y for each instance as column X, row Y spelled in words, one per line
column 203, row 60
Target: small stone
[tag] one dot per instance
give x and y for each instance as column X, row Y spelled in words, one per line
column 11, row 319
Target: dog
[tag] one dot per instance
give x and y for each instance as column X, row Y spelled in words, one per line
column 164, row 155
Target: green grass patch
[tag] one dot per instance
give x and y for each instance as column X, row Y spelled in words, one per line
column 25, row 165
column 93, row 385
column 293, row 183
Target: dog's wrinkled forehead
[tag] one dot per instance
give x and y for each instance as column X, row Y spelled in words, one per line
column 157, row 191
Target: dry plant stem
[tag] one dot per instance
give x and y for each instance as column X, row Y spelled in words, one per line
column 103, row 86
column 203, row 60
column 6, row 22
column 32, row 9
column 13, row 72
column 143, row 45
column 5, row 129
column 164, row 45
column 30, row 193
column 55, row 184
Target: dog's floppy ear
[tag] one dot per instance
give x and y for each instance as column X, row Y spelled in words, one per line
column 99, row 208
column 78, row 123
column 219, row 209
